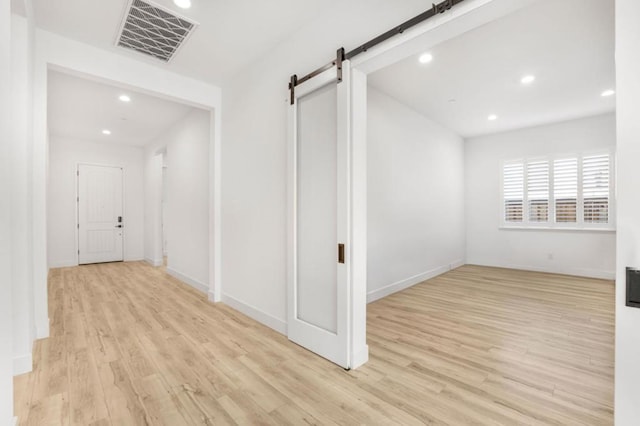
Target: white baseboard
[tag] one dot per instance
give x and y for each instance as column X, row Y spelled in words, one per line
column 360, row 358
column 42, row 331
column 188, row 280
column 153, row 262
column 15, row 421
column 63, row 264
column 456, row 264
column 410, row 282
column 22, row 364
column 72, row 263
column 577, row 272
column 256, row 314
column 212, row 297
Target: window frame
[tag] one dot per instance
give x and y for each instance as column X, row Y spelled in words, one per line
column 551, row 224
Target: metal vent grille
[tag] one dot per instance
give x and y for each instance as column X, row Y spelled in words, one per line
column 150, row 29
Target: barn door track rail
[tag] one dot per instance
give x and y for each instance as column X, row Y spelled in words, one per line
column 341, row 56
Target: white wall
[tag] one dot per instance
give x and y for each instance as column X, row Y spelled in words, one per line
column 415, row 201
column 21, row 247
column 64, row 157
column 6, row 331
column 627, row 392
column 152, row 206
column 585, row 253
column 187, row 185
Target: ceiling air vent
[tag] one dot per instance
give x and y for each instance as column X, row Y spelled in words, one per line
column 153, row 30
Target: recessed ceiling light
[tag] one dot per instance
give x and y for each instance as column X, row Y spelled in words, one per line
column 492, row 117
column 528, row 79
column 425, row 58
column 608, row 93
column 185, row 4
column 106, row 132
column 124, row 98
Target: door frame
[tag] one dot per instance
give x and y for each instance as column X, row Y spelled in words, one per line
column 98, row 65
column 124, row 206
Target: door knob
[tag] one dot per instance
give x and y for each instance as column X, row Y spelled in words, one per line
column 118, row 226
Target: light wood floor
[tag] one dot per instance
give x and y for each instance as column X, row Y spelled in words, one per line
column 130, row 345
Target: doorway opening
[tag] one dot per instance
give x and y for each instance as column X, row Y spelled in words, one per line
column 491, row 210
column 112, row 196
column 478, row 144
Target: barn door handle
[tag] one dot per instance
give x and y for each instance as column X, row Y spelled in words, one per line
column 340, row 253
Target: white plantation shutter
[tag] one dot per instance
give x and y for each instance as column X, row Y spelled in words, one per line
column 595, row 188
column 513, row 191
column 538, row 191
column 565, row 190
column 572, row 191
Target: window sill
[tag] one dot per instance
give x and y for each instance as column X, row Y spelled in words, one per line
column 555, row 228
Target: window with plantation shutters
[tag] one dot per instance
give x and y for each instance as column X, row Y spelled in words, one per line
column 595, row 188
column 571, row 191
column 565, row 189
column 513, row 191
column 538, row 191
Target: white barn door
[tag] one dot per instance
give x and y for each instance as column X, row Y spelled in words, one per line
column 318, row 276
column 100, row 219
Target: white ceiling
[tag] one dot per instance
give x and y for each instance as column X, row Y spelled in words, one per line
column 232, row 33
column 80, row 109
column 568, row 46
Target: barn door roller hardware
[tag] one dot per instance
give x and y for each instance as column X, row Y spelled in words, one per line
column 340, row 56
column 436, row 9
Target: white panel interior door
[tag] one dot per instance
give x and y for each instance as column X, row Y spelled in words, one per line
column 318, row 309
column 100, row 218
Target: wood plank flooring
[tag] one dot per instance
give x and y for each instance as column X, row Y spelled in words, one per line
column 131, row 345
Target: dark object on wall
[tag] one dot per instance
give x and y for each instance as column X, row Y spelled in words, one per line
column 633, row 287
